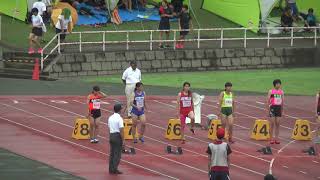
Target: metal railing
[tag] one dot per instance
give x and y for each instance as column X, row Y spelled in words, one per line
column 221, row 39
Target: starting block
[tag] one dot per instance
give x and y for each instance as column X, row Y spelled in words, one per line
column 129, row 151
column 214, row 126
column 178, row 150
column 128, row 129
column 173, row 131
column 311, row 151
column 261, row 130
column 81, row 129
column 302, row 130
column 267, row 150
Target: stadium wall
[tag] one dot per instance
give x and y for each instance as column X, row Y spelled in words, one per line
column 94, row 64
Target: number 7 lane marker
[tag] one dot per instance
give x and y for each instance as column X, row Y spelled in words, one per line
column 88, row 148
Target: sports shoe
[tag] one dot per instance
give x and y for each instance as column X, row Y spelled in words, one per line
column 31, row 51
column 141, row 139
column 118, row 172
column 277, row 142
column 135, row 141
column 272, row 141
column 40, row 50
column 192, row 130
column 92, row 140
column 96, row 140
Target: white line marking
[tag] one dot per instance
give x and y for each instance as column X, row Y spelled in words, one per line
column 303, row 172
column 286, row 167
column 270, row 166
column 104, row 102
column 316, row 162
column 15, row 101
column 59, row 101
column 250, row 170
column 258, row 102
column 88, row 148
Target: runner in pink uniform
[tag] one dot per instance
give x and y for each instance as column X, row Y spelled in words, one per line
column 275, row 101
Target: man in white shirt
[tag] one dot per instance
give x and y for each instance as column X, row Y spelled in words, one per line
column 115, row 123
column 130, row 77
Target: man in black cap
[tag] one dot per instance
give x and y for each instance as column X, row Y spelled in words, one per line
column 115, row 123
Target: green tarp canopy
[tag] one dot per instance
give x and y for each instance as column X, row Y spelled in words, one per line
column 250, row 13
column 14, row 8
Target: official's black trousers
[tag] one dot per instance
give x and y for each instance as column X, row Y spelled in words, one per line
column 115, row 151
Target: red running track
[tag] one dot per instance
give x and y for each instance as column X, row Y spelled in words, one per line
column 40, row 127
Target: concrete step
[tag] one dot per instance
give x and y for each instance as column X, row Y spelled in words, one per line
column 18, row 65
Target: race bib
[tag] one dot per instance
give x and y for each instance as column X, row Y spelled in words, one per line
column 96, row 104
column 140, row 102
column 228, row 102
column 186, row 101
column 277, row 99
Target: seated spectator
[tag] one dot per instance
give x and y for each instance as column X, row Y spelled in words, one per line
column 286, row 19
column 127, row 4
column 309, row 19
column 293, row 7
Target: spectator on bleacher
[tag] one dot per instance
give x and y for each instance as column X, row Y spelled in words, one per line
column 63, row 25
column 127, row 5
column 41, row 5
column 36, row 31
column 309, row 19
column 143, row 3
column 218, row 155
column 185, row 24
column 164, row 25
column 293, row 6
column 286, row 19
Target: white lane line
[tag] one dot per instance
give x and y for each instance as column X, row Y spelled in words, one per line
column 187, row 136
column 15, row 101
column 316, row 162
column 258, row 102
column 285, row 167
column 240, row 167
column 88, row 148
column 270, row 166
column 303, row 172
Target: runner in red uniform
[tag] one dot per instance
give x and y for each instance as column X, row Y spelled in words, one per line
column 185, row 108
column 318, row 113
column 94, row 112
